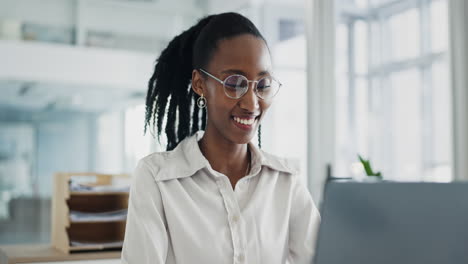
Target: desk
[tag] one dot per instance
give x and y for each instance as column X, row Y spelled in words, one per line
column 45, row 254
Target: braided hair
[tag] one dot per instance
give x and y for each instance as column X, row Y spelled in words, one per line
column 170, row 97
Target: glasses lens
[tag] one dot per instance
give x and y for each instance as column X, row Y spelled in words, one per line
column 267, row 88
column 235, row 86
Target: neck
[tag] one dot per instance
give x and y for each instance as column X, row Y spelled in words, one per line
column 225, row 156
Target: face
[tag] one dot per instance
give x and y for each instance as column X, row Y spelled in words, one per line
column 236, row 120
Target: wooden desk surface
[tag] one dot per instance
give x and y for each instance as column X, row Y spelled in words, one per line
column 42, row 253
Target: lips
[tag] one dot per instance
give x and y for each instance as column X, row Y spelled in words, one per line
column 244, row 122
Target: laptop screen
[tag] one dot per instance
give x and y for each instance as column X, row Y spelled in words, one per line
column 388, row 223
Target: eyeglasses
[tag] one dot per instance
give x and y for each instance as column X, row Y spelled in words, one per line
column 235, row 86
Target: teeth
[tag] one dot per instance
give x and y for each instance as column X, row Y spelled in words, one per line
column 244, row 121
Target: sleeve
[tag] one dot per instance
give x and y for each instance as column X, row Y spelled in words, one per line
column 303, row 225
column 146, row 239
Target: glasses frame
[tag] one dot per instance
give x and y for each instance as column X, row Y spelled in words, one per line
column 248, row 84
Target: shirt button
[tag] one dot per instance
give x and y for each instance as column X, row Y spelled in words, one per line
column 235, row 219
column 241, row 258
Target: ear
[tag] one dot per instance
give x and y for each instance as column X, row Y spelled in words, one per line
column 197, row 82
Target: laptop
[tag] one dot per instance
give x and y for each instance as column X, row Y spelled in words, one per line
column 393, row 223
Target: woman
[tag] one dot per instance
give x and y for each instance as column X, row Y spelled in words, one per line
column 214, row 197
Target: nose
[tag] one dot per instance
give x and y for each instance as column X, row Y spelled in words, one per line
column 249, row 101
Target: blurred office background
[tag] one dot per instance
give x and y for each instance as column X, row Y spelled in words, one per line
column 73, row 76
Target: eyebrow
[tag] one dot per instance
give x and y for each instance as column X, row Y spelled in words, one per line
column 234, row 71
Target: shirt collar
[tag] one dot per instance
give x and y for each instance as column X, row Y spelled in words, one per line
column 186, row 159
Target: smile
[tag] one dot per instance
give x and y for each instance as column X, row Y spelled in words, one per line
column 245, row 123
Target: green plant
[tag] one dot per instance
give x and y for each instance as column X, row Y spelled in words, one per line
column 368, row 168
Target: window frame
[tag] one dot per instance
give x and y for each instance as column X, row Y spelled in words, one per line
column 383, row 69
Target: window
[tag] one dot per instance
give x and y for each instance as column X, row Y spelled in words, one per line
column 137, row 144
column 393, row 92
column 284, row 131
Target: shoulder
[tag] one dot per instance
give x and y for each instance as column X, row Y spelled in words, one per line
column 288, row 166
column 183, row 161
column 156, row 159
column 154, row 163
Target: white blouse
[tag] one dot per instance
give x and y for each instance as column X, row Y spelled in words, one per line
column 182, row 211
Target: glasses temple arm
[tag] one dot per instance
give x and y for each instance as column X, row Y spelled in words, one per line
column 207, row 73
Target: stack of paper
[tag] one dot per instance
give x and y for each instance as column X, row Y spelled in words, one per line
column 102, row 245
column 117, row 215
column 78, row 187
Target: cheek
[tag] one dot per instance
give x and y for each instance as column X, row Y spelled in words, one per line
column 221, row 109
column 213, row 96
column 264, row 106
column 219, row 105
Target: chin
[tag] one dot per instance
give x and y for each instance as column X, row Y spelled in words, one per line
column 237, row 135
column 243, row 139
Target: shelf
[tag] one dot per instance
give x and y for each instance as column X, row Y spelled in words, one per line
column 44, row 253
column 96, row 204
column 90, row 206
column 89, row 248
column 97, row 232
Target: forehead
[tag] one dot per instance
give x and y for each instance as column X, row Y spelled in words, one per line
column 244, row 52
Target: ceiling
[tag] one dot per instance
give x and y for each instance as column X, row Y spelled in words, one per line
column 37, row 97
column 140, row 26
column 143, row 26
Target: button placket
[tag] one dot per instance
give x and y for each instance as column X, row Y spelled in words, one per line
column 241, row 258
column 233, row 216
column 242, row 191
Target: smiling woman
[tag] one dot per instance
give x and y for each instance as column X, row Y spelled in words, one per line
column 214, row 197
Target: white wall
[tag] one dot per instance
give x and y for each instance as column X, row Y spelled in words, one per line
column 109, row 145
column 48, row 12
column 158, row 18
column 62, row 146
column 63, row 142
